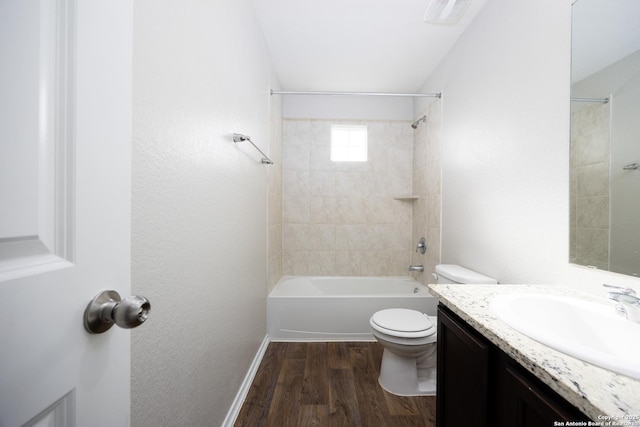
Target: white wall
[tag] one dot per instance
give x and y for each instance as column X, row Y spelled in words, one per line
column 505, row 146
column 347, row 107
column 201, row 72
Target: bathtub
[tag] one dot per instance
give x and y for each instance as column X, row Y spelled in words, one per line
column 303, row 308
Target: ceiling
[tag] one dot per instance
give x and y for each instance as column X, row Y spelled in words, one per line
column 356, row 45
column 602, row 34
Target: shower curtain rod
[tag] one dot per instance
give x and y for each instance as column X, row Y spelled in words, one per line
column 290, row 92
column 603, row 100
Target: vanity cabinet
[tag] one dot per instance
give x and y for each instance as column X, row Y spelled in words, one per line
column 479, row 385
column 462, row 388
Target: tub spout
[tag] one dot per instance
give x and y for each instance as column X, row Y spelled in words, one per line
column 416, row 268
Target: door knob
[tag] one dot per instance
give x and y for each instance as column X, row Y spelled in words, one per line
column 107, row 308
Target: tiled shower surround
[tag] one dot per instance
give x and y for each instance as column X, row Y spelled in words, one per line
column 426, row 185
column 590, row 148
column 274, row 219
column 350, row 218
column 341, row 218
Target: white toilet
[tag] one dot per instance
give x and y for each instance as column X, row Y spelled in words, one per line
column 409, row 340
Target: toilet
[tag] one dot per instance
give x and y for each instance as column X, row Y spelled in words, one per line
column 409, row 339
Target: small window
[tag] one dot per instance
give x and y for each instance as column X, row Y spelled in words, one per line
column 348, row 143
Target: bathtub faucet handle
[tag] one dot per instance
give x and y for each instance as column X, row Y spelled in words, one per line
column 422, row 246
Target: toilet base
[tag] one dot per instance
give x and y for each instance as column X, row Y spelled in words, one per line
column 402, row 376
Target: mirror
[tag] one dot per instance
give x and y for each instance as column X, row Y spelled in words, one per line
column 605, row 135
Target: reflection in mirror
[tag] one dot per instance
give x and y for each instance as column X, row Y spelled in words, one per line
column 605, row 135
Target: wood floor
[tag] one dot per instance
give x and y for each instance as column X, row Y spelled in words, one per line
column 328, row 384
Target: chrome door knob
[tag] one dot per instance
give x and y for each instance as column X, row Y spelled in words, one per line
column 108, row 308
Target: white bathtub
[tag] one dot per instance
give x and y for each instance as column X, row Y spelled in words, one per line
column 338, row 308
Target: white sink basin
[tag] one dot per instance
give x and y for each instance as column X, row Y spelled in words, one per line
column 589, row 331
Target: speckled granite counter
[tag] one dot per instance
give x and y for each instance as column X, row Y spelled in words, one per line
column 595, row 391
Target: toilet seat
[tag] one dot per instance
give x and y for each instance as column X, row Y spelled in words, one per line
column 402, row 322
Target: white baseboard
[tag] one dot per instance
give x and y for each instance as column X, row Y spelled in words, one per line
column 234, row 410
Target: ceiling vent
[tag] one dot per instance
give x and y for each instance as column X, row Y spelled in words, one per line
column 445, row 11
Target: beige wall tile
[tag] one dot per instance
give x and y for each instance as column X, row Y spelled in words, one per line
column 593, row 180
column 426, row 184
column 341, row 218
column 592, row 212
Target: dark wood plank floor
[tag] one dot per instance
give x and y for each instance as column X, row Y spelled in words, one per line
column 328, row 384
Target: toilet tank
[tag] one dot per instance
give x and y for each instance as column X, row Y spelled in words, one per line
column 451, row 273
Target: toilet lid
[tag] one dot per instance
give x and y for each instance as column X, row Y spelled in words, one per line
column 404, row 320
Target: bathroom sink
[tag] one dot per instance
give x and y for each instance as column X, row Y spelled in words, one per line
column 586, row 330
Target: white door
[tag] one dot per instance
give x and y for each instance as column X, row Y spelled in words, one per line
column 65, row 142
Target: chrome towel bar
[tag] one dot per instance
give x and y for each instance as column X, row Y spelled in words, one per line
column 602, row 100
column 238, row 137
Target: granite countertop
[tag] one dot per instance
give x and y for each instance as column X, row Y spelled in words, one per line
column 597, row 392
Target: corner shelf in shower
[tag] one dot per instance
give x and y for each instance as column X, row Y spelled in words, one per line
column 407, row 197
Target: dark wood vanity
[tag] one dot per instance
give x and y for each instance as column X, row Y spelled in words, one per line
column 479, row 385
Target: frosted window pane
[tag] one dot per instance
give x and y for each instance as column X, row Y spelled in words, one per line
column 348, row 143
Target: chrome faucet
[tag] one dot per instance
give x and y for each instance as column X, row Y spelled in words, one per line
column 419, row 268
column 628, row 303
column 620, row 290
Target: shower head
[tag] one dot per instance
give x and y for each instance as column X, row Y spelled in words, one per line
column 417, row 122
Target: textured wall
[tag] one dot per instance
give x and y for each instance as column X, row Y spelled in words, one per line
column 201, row 72
column 340, row 218
column 505, row 142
